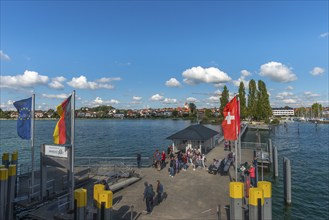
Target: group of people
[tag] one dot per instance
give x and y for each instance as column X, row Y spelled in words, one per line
column 149, row 195
column 181, row 161
column 248, row 170
column 159, row 160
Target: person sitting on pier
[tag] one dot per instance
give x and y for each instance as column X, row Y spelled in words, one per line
column 213, row 168
column 189, row 156
column 225, row 145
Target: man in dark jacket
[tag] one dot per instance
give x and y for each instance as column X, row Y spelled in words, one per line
column 148, row 196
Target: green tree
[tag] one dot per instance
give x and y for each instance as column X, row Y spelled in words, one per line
column 175, row 113
column 242, row 97
column 208, row 113
column 300, row 112
column 224, row 99
column 316, row 110
column 263, row 107
column 192, row 108
column 252, row 99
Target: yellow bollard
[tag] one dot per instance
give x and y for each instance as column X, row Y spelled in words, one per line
column 11, row 191
column 256, row 202
column 5, row 159
column 267, row 192
column 97, row 189
column 104, row 205
column 80, row 199
column 3, row 191
column 14, row 157
column 236, row 200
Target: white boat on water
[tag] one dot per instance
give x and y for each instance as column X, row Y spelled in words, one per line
column 287, row 120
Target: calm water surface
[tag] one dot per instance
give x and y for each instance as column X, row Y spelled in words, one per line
column 305, row 144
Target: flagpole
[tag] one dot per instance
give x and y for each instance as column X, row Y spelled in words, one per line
column 32, row 142
column 236, row 147
column 239, row 133
column 72, row 148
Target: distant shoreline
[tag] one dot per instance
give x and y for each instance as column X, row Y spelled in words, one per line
column 55, row 119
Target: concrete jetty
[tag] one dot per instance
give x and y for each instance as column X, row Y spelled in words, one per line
column 189, row 195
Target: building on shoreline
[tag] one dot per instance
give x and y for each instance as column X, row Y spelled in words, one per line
column 283, row 111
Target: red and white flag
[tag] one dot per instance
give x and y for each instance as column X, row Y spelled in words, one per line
column 231, row 123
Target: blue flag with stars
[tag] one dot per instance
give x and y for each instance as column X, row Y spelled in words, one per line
column 24, row 118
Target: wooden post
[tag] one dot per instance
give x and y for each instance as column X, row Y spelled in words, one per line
column 275, row 162
column 287, row 180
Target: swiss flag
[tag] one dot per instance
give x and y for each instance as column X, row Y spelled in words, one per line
column 231, row 123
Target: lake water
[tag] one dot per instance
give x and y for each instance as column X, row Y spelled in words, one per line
column 305, row 144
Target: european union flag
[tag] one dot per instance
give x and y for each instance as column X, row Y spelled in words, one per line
column 24, row 118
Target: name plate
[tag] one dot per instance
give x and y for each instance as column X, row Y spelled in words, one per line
column 56, row 151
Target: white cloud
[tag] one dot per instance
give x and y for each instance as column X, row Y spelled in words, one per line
column 172, row 82
column 282, row 95
column 192, row 99
column 58, row 96
column 82, row 83
column 57, row 82
column 323, row 35
column 289, row 88
column 4, row 56
column 112, row 101
column 219, row 85
column 99, row 101
column 169, row 101
column 309, row 94
column 316, row 71
column 107, row 80
column 137, row 98
column 213, row 99
column 8, row 106
column 157, row 97
column 105, row 86
column 197, row 75
column 244, row 74
column 277, row 72
column 289, row 101
column 29, row 79
column 218, row 92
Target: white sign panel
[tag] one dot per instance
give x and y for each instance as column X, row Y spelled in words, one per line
column 56, row 151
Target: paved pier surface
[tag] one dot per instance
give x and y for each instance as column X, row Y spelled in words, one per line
column 189, row 195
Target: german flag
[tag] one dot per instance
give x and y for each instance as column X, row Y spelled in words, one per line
column 62, row 132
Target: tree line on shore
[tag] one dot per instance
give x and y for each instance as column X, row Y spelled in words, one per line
column 255, row 106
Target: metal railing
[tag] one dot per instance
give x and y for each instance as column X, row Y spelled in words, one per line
column 254, row 146
column 63, row 203
column 91, row 162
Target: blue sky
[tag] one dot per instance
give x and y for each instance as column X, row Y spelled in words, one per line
column 137, row 54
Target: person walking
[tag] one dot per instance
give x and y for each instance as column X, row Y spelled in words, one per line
column 139, row 157
column 159, row 191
